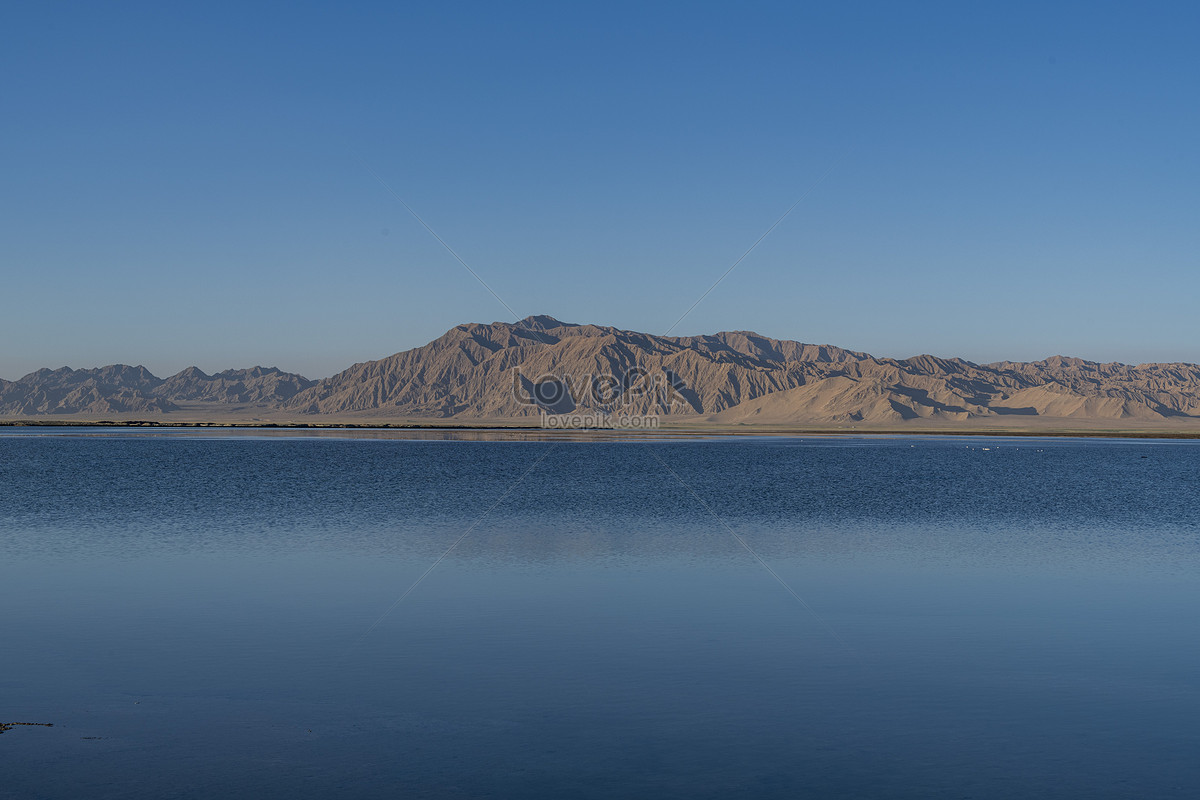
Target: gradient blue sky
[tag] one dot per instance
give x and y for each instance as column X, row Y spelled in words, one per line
column 192, row 184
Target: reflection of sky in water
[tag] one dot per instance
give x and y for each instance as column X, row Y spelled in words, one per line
column 1009, row 622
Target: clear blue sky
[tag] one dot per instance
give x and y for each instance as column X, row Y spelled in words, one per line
column 192, row 184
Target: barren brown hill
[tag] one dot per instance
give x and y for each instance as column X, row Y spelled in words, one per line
column 515, row 370
column 483, row 371
column 120, row 389
column 255, row 385
column 113, row 389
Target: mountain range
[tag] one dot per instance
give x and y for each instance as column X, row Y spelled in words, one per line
column 539, row 364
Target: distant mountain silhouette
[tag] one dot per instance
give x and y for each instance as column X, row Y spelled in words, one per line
column 505, row 370
column 119, row 389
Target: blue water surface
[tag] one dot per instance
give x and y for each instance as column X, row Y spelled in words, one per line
column 281, row 615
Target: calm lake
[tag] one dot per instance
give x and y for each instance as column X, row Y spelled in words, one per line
column 210, row 615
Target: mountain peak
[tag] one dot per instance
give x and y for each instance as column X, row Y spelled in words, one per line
column 543, row 322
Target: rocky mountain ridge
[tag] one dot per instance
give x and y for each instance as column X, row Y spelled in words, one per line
column 121, row 389
column 506, row 370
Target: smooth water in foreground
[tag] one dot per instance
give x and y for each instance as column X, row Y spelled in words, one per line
column 218, row 616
